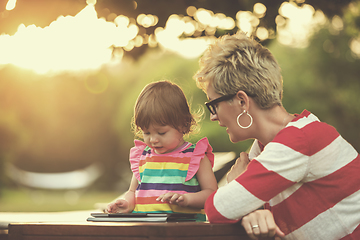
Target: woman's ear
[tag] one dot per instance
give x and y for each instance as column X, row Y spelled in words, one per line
column 243, row 100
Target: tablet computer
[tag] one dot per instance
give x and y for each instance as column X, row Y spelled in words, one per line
column 142, row 217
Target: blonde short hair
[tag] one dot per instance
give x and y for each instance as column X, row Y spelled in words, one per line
column 162, row 103
column 235, row 63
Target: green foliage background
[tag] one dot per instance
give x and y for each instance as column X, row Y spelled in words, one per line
column 56, row 123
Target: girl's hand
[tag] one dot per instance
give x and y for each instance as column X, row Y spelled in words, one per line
column 173, row 198
column 261, row 224
column 119, row 206
column 239, row 167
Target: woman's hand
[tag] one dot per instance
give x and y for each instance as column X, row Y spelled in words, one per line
column 118, row 206
column 173, row 198
column 261, row 224
column 239, row 167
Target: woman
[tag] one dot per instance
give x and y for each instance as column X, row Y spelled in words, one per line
column 299, row 168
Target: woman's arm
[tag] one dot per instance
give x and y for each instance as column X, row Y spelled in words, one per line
column 275, row 170
column 261, row 224
column 239, row 167
column 208, row 184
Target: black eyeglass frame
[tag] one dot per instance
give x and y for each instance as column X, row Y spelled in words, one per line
column 210, row 105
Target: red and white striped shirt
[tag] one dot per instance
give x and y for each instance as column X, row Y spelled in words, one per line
column 308, row 176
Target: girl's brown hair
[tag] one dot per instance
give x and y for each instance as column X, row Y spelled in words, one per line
column 162, row 103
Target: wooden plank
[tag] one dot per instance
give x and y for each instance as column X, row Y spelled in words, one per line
column 3, row 234
column 133, row 231
column 127, row 229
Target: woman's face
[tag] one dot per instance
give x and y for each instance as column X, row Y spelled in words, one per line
column 226, row 114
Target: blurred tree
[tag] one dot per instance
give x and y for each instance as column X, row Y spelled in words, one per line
column 64, row 121
column 162, row 9
column 27, row 12
column 76, row 119
column 324, row 77
column 9, row 141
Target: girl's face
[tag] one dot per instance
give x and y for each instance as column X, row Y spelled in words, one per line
column 163, row 139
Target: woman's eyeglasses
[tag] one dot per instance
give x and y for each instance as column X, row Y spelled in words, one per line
column 211, row 105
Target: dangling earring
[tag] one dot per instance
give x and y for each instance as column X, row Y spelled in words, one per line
column 238, row 117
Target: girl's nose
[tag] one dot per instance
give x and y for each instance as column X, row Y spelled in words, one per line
column 153, row 139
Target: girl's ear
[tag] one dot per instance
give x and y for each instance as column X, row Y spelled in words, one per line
column 243, row 100
column 183, row 130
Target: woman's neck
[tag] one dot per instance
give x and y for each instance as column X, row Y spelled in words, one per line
column 270, row 122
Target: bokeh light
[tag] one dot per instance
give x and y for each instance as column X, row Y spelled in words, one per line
column 78, row 42
column 85, row 41
column 296, row 24
column 11, row 4
column 355, row 47
column 247, row 21
column 147, row 20
column 259, row 10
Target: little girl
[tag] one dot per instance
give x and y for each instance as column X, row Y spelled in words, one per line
column 169, row 174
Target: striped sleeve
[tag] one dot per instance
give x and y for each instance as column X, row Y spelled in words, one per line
column 277, row 168
column 309, row 177
column 281, row 164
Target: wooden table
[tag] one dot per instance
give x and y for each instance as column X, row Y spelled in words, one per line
column 126, row 231
column 3, row 234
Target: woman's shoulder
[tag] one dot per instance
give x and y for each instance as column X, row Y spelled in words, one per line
column 309, row 124
column 306, row 133
column 303, row 119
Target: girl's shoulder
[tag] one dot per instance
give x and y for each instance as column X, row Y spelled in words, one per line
column 135, row 155
column 199, row 150
column 139, row 148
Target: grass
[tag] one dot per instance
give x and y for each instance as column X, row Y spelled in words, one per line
column 26, row 200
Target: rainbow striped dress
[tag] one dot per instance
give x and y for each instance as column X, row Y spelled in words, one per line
column 170, row 172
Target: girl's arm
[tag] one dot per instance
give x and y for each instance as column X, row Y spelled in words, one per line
column 127, row 203
column 130, row 194
column 208, row 184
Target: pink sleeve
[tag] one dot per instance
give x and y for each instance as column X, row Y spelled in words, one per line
column 202, row 147
column 134, row 158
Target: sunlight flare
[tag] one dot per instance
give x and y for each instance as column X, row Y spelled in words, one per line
column 296, row 24
column 10, row 5
column 87, row 42
column 79, row 42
